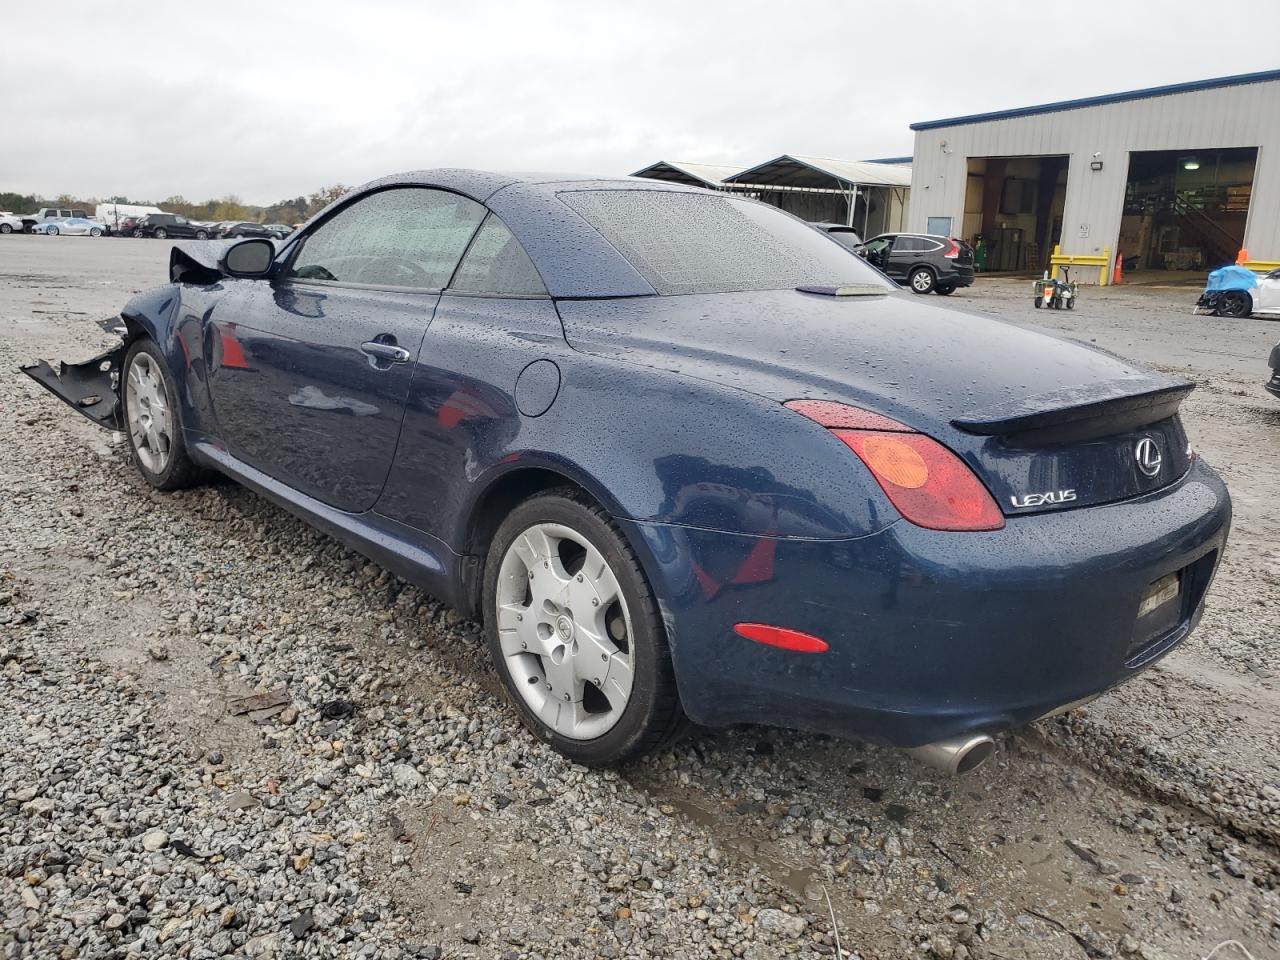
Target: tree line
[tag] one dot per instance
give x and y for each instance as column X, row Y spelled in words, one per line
column 290, row 211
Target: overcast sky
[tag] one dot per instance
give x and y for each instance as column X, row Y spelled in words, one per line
column 270, row 99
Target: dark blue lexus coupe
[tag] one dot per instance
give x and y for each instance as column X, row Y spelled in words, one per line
column 684, row 456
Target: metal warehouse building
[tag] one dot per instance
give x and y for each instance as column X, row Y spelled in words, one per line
column 1182, row 177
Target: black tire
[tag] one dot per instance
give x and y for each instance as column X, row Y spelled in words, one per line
column 1235, row 304
column 1071, row 304
column 202, row 235
column 1039, row 302
column 946, row 289
column 161, row 233
column 922, row 280
column 179, row 471
column 95, row 232
column 653, row 716
column 5, row 228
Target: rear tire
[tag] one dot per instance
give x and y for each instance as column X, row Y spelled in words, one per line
column 202, row 235
column 575, row 634
column 946, row 289
column 162, row 234
column 1039, row 302
column 922, row 280
column 152, row 420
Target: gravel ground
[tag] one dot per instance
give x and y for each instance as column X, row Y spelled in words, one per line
column 378, row 799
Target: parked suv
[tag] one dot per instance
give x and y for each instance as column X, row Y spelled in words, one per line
column 925, row 263
column 245, row 228
column 165, row 225
column 49, row 215
column 846, row 236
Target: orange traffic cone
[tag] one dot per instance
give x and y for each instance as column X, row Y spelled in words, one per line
column 1242, row 257
column 1117, row 275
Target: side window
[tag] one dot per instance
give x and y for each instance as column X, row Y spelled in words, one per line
column 180, row 220
column 878, row 244
column 496, row 264
column 404, row 237
column 903, row 245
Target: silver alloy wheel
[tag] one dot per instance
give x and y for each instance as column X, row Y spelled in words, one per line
column 565, row 631
column 95, row 232
column 921, row 281
column 147, row 410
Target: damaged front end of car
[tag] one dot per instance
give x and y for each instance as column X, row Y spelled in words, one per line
column 91, row 387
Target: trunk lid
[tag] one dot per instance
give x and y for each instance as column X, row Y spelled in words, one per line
column 1046, row 423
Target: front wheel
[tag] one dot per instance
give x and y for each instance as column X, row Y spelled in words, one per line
column 574, row 630
column 162, row 234
column 202, row 235
column 151, row 419
column 51, row 231
column 95, row 232
column 1235, row 304
column 922, row 280
column 5, row 228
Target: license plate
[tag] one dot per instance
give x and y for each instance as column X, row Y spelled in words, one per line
column 1158, row 594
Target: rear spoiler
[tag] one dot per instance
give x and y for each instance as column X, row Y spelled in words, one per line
column 89, row 387
column 1080, row 413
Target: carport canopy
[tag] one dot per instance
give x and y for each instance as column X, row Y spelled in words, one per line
column 710, row 175
column 793, row 173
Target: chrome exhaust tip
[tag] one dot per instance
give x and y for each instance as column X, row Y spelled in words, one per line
column 957, row 755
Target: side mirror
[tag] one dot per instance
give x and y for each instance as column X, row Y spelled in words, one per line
column 250, row 259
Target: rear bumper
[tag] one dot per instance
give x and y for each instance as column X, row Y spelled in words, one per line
column 932, row 634
column 962, row 277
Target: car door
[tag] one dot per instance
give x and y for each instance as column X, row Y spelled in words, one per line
column 1266, row 298
column 308, row 371
column 181, row 227
column 876, row 252
column 901, row 255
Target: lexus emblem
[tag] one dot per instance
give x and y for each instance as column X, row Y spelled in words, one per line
column 1147, row 456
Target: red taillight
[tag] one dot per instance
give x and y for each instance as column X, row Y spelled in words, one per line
column 781, row 638
column 927, row 483
column 953, row 250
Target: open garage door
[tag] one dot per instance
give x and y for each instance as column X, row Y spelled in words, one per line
column 1185, row 209
column 1013, row 210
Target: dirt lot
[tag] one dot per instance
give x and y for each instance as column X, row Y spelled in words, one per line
column 393, row 807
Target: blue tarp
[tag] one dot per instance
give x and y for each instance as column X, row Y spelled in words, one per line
column 1231, row 278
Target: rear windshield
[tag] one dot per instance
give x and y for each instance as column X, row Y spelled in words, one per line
column 695, row 243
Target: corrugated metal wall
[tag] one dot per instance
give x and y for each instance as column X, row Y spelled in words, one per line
column 1247, row 115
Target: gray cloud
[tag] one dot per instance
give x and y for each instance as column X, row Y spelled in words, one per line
column 267, row 100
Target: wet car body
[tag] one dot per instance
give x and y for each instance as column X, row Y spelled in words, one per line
column 668, row 410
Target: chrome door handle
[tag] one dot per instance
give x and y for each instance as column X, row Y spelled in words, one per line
column 385, row 351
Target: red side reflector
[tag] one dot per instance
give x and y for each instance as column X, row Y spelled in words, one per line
column 781, row 637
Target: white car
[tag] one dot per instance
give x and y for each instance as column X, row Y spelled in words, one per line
column 73, row 227
column 1266, row 295
column 10, row 224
